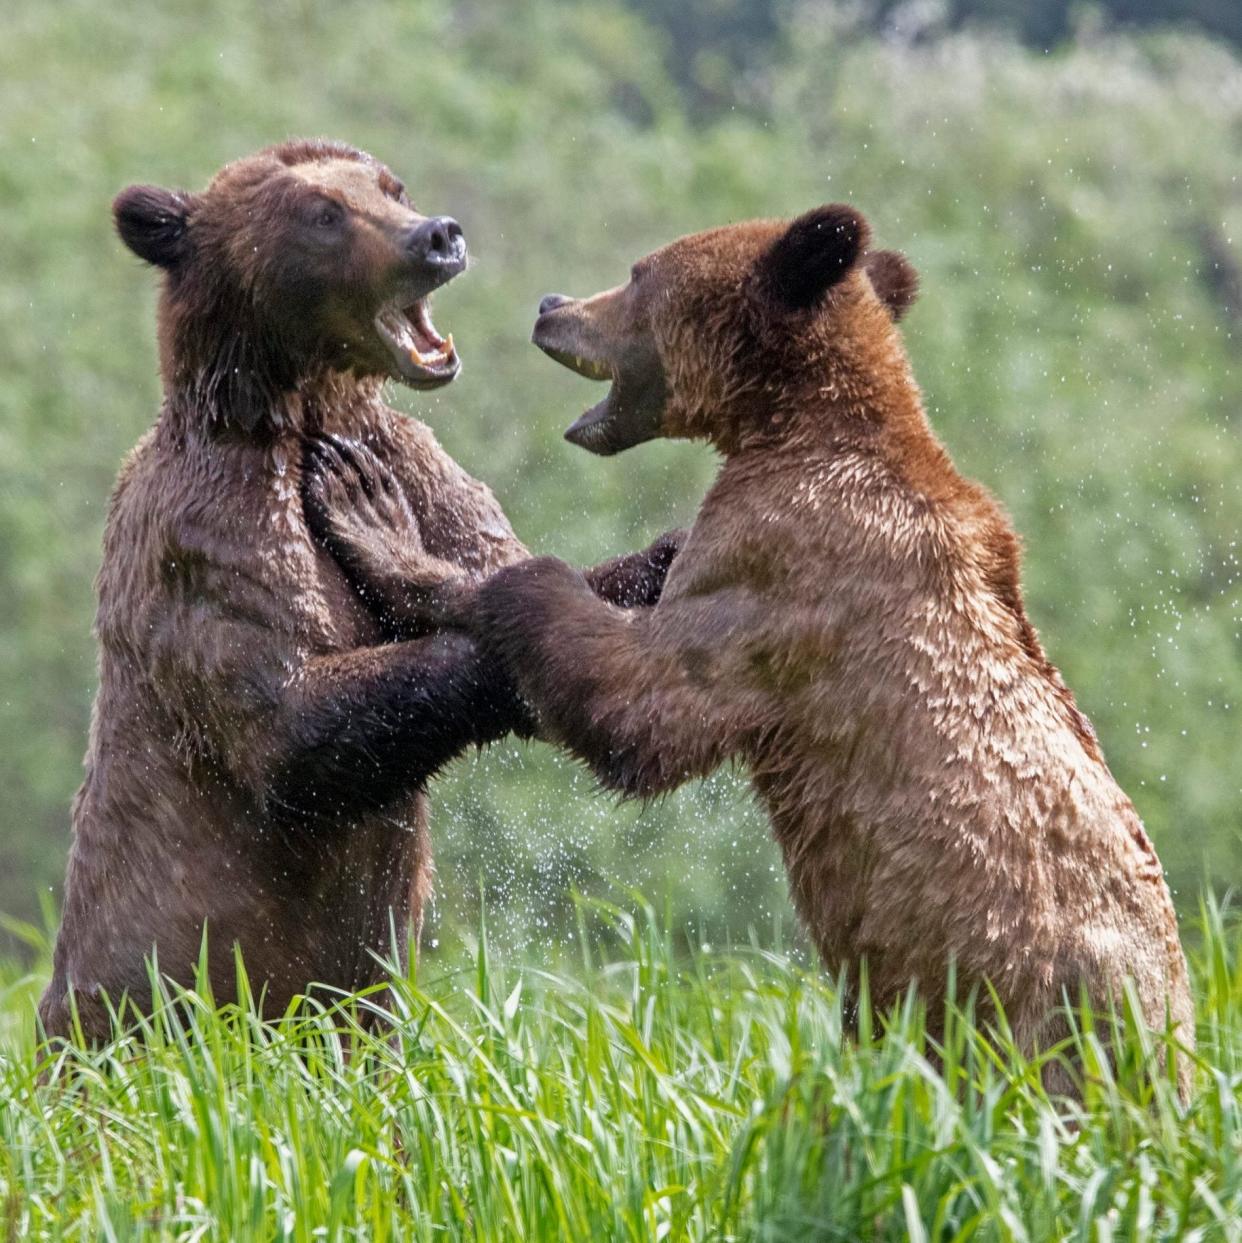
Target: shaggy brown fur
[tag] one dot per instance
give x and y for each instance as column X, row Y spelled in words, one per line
column 258, row 756
column 845, row 619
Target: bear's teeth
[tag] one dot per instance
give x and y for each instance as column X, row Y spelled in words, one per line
column 440, row 355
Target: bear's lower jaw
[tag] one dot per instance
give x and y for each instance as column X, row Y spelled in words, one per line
column 631, row 414
column 592, row 429
column 601, row 429
column 421, row 358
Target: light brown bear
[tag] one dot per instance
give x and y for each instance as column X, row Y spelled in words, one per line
column 845, row 620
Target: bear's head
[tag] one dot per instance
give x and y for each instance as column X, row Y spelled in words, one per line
column 304, row 260
column 729, row 329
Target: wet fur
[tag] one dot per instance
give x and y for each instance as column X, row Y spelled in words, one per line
column 845, row 620
column 258, row 753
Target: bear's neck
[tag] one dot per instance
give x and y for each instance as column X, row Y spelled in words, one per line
column 896, row 436
column 332, row 401
column 241, row 384
column 844, row 399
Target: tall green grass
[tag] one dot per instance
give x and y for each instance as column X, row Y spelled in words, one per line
column 646, row 1094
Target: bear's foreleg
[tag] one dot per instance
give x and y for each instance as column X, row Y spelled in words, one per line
column 616, row 687
column 364, row 727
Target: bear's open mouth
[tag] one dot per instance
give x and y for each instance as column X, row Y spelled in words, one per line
column 591, row 430
column 422, row 357
column 633, row 408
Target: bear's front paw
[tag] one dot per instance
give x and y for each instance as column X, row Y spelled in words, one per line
column 516, row 605
column 661, row 555
column 356, row 506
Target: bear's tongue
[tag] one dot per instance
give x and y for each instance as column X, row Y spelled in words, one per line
column 426, row 338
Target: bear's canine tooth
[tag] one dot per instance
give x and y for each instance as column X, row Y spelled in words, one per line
column 442, row 354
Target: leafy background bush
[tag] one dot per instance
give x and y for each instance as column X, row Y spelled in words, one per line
column 1075, row 214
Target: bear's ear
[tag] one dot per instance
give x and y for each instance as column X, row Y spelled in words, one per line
column 153, row 223
column 813, row 254
column 893, row 278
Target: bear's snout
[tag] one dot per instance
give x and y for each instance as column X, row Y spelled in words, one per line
column 550, row 301
column 439, row 243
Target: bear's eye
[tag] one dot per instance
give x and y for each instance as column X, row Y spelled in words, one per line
column 328, row 215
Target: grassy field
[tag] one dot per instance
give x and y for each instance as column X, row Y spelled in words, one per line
column 654, row 1094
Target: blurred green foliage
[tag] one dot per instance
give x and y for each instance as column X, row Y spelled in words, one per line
column 1076, row 219
column 722, row 53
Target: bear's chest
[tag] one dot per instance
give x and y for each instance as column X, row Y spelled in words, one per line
column 339, row 611
column 324, row 606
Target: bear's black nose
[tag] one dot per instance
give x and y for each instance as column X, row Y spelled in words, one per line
column 438, row 241
column 549, row 302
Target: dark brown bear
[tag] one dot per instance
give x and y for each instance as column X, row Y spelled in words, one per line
column 845, row 620
column 258, row 753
